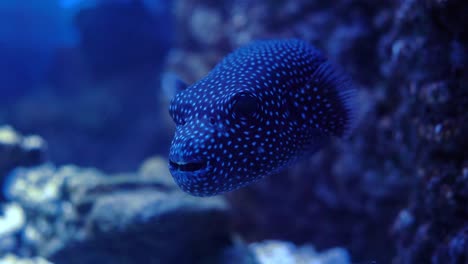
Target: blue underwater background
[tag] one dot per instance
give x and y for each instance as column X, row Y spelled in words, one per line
column 85, row 135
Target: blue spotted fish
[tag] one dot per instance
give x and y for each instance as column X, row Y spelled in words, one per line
column 260, row 109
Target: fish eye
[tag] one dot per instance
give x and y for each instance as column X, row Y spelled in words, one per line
column 180, row 121
column 212, row 120
column 245, row 106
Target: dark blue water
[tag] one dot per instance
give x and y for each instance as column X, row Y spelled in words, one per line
column 85, row 75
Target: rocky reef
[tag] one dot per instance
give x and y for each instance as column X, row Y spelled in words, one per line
column 430, row 46
column 17, row 150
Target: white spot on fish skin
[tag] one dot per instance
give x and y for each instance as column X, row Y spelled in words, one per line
column 258, row 110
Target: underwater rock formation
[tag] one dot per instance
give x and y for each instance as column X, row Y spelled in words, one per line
column 12, row 222
column 17, row 150
column 280, row 252
column 12, row 259
column 429, row 57
column 115, row 219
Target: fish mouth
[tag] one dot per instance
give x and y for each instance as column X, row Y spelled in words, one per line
column 187, row 166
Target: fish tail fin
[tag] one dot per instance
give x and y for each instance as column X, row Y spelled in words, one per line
column 338, row 104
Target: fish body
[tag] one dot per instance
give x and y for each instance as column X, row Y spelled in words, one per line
column 260, row 109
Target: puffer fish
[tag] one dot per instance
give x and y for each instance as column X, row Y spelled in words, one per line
column 261, row 108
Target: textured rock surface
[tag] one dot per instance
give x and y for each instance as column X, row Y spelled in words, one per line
column 16, row 150
column 126, row 227
column 279, row 252
column 12, row 222
column 11, row 259
column 429, row 56
column 127, row 218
